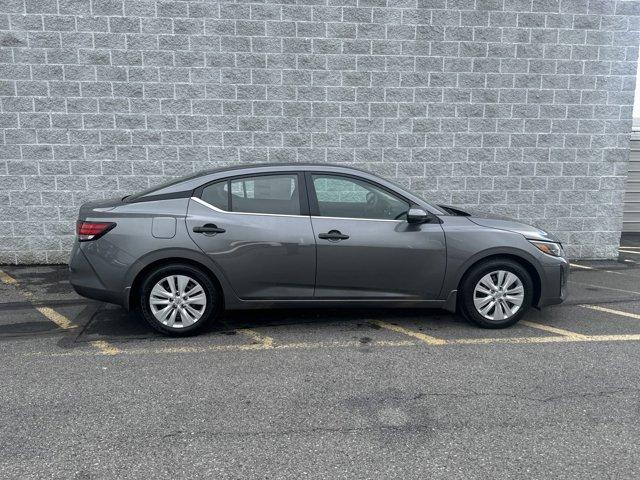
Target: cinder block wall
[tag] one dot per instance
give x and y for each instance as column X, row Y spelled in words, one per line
column 515, row 107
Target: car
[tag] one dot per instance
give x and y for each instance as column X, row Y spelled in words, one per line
column 306, row 235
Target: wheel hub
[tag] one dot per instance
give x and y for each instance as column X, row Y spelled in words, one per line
column 498, row 295
column 177, row 301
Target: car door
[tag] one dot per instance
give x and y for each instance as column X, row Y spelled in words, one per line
column 256, row 228
column 365, row 246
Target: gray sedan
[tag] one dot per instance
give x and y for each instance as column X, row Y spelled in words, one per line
column 302, row 235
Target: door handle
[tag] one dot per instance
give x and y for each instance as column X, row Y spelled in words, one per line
column 333, row 235
column 208, row 229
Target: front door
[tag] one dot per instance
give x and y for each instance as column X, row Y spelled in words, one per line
column 366, row 248
column 253, row 229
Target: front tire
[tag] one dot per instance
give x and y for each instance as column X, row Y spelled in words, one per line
column 496, row 293
column 178, row 299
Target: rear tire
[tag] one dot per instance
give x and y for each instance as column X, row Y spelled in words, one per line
column 178, row 299
column 496, row 293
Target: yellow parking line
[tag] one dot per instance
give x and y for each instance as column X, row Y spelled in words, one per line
column 617, row 273
column 428, row 339
column 557, row 331
column 615, row 338
column 57, row 318
column 60, row 320
column 354, row 343
column 581, row 266
column 611, row 310
column 603, row 287
column 7, row 279
column 267, row 342
column 106, row 348
column 515, row 340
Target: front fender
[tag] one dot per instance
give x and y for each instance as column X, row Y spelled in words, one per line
column 468, row 243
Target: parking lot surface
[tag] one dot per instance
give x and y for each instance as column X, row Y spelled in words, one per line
column 88, row 391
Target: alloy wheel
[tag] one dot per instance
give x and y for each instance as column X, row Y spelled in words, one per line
column 177, row 301
column 498, row 295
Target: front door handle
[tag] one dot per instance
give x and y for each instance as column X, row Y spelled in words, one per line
column 334, row 235
column 208, row 229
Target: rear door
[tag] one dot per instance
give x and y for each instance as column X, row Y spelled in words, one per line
column 366, row 248
column 257, row 229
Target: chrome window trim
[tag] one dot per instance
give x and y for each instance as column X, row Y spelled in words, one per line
column 361, row 219
column 219, row 210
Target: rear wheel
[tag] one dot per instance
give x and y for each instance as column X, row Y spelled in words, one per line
column 496, row 293
column 178, row 299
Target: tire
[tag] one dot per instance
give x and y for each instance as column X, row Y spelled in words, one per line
column 477, row 293
column 182, row 314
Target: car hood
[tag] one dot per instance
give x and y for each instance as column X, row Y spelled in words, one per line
column 509, row 225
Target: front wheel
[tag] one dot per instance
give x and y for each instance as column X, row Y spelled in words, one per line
column 496, row 293
column 178, row 299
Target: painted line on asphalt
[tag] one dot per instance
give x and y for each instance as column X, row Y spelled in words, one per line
column 622, row 313
column 618, row 273
column 7, row 279
column 548, row 328
column 581, row 266
column 516, row 340
column 629, row 251
column 230, row 348
column 57, row 318
column 263, row 340
column 428, row 339
column 575, row 265
column 349, row 344
column 106, row 348
column 603, row 287
column 60, row 320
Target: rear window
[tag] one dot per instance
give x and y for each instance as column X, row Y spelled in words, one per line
column 161, row 186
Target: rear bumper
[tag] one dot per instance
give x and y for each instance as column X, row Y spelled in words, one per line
column 554, row 287
column 86, row 282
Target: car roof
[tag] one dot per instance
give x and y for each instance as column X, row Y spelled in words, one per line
column 280, row 166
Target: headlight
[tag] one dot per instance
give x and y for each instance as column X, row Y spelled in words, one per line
column 550, row 248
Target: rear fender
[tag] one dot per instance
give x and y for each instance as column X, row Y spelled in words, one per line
column 176, row 254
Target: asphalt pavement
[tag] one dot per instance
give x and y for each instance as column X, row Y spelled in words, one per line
column 88, row 391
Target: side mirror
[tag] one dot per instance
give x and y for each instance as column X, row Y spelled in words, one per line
column 417, row 215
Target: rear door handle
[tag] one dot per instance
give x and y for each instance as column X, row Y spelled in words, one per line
column 209, row 229
column 334, row 235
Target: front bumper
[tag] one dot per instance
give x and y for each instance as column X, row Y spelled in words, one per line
column 554, row 286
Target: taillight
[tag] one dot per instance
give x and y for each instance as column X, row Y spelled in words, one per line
column 91, row 230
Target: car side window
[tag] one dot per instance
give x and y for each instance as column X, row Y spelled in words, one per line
column 346, row 197
column 217, row 194
column 275, row 194
column 270, row 194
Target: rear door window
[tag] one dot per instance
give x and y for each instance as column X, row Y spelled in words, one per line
column 268, row 194
column 217, row 194
column 276, row 194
